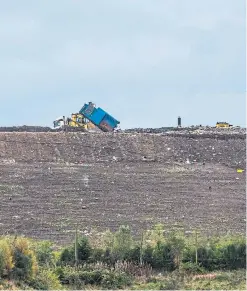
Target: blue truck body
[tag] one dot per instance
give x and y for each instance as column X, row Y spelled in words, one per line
column 99, row 117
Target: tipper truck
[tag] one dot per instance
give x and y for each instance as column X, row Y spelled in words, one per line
column 99, row 117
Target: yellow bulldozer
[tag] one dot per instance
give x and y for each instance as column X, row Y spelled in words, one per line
column 223, row 125
column 76, row 120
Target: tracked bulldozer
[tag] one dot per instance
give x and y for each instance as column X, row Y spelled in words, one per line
column 75, row 121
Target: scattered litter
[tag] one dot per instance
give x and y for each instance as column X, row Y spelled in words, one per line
column 85, row 179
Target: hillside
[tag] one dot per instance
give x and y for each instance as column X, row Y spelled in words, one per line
column 52, row 180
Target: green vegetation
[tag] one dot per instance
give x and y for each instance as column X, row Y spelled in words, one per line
column 159, row 261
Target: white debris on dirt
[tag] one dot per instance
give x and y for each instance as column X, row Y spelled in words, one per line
column 86, row 180
column 193, row 130
column 7, row 161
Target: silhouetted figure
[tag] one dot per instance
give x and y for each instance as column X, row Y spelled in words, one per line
column 210, row 188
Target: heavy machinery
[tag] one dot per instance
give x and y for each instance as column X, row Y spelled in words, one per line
column 99, row 117
column 223, row 125
column 76, row 120
column 88, row 118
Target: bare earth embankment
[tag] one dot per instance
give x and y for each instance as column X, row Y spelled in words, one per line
column 49, row 181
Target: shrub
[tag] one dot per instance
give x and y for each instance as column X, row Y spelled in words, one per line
column 192, row 268
column 155, row 235
column 25, row 263
column 107, row 240
column 108, row 258
column 133, row 255
column 2, row 265
column 76, row 278
column 235, row 280
column 219, row 253
column 23, row 266
column 45, row 280
column 84, row 249
column 122, row 242
column 207, row 258
column 231, row 255
column 97, row 255
column 176, row 244
column 67, row 256
column 172, row 283
column 115, row 280
column 133, row 269
column 102, row 277
column 44, row 253
column 6, row 257
column 159, row 257
column 148, row 255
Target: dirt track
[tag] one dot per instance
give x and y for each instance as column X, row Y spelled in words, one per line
column 50, row 181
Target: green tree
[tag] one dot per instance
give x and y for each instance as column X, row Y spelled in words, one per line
column 45, row 254
column 25, row 262
column 67, row 256
column 155, row 235
column 123, row 242
column 176, row 243
column 6, row 257
column 108, row 240
column 163, row 257
column 148, row 255
column 23, row 265
column 84, row 249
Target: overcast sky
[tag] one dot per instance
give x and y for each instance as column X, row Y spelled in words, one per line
column 143, row 61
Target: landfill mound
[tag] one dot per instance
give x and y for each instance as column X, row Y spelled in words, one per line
column 51, row 181
column 24, row 128
column 27, row 128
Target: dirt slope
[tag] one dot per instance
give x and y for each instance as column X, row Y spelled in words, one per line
column 51, row 181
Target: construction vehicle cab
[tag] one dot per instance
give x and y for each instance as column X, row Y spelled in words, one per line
column 59, row 122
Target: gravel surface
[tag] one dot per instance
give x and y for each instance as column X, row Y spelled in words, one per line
column 51, row 181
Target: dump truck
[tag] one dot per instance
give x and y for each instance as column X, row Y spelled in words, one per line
column 99, row 117
column 88, row 118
